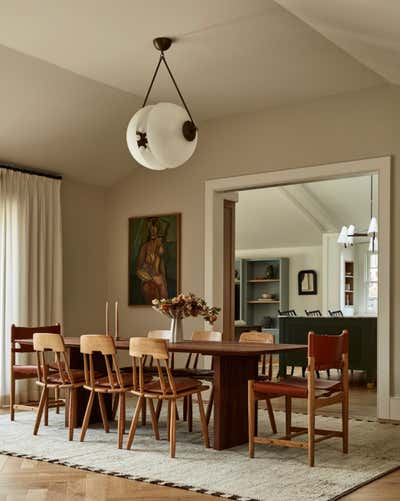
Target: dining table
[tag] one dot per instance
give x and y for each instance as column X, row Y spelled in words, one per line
column 234, row 364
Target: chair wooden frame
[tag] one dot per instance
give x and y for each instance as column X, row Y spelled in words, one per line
column 63, row 378
column 268, row 338
column 313, row 313
column 317, row 397
column 335, row 313
column 16, row 371
column 139, row 348
column 191, row 369
column 113, row 383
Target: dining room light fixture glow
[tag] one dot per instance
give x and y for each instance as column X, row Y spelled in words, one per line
column 348, row 233
column 164, row 135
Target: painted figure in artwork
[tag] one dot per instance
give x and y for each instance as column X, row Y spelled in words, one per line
column 150, row 266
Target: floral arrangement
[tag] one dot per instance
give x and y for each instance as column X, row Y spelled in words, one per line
column 186, row 305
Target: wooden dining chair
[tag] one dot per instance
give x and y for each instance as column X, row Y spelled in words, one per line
column 167, row 387
column 115, row 383
column 324, row 352
column 192, row 369
column 268, row 338
column 20, row 372
column 63, row 378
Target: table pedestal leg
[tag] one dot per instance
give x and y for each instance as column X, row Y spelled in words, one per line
column 230, row 399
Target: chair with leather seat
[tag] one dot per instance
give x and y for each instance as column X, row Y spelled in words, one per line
column 115, row 383
column 63, row 377
column 166, row 387
column 324, row 352
column 20, row 372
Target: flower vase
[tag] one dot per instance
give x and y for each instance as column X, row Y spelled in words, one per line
column 176, row 330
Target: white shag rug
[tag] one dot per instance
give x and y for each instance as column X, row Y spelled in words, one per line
column 275, row 474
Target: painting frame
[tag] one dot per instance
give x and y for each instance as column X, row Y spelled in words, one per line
column 312, row 280
column 170, row 286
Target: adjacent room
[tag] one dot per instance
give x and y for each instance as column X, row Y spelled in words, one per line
column 293, row 273
column 199, row 225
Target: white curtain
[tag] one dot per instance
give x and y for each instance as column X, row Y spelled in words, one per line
column 30, row 261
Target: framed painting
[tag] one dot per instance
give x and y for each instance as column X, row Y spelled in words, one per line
column 154, row 258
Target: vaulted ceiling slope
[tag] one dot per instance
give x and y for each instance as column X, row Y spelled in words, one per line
column 368, row 30
column 231, row 56
column 73, row 73
column 306, row 211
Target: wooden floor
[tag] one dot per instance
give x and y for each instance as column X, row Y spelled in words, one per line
column 23, row 480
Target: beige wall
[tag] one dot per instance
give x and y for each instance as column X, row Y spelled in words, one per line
column 344, row 127
column 84, row 236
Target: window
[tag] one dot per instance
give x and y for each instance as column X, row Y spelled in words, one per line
column 372, row 284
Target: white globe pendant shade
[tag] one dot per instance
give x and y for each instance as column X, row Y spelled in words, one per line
column 155, row 138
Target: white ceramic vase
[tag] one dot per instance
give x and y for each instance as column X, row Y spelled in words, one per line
column 176, row 330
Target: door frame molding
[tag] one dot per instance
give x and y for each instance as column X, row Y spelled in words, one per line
column 388, row 407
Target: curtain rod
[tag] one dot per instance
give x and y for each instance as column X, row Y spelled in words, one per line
column 27, row 170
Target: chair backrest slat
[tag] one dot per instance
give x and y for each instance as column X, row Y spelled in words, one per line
column 209, row 336
column 313, row 313
column 53, row 342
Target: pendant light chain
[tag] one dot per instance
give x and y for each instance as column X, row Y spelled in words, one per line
column 162, row 59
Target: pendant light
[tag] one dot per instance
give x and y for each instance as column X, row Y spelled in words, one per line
column 164, row 135
column 347, row 233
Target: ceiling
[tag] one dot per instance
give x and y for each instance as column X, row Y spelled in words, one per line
column 74, row 72
column 305, row 212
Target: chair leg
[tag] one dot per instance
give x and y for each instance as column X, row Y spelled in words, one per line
column 345, row 424
column 57, row 397
column 154, row 421
column 103, row 412
column 46, row 410
column 328, row 372
column 12, row 400
column 311, row 432
column 144, row 412
column 121, row 419
column 292, row 370
column 172, row 426
column 271, row 415
column 203, row 421
column 134, row 422
column 251, row 416
column 184, row 408
column 42, row 403
column 169, row 421
column 288, row 415
column 210, row 405
column 263, row 364
column 158, row 409
column 115, row 406
column 86, row 418
column 71, row 413
column 303, row 371
column 190, row 413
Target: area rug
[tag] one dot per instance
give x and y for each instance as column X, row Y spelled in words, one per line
column 275, row 474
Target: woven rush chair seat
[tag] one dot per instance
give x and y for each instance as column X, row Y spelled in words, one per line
column 294, row 386
column 57, row 378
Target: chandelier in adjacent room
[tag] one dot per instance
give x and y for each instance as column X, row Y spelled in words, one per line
column 348, row 233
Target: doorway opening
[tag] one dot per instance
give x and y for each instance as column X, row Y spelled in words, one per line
column 292, row 276
column 216, row 192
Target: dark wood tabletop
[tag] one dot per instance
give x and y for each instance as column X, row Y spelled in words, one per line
column 223, row 348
